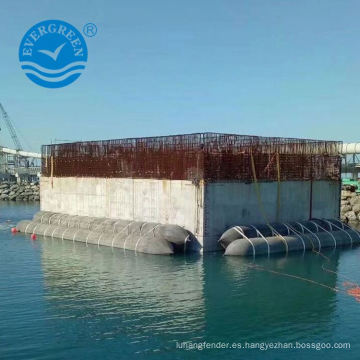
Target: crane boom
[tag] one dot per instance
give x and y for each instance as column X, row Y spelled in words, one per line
column 11, row 128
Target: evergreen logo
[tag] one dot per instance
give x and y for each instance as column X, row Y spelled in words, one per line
column 53, row 54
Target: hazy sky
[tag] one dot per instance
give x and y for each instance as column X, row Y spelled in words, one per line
column 262, row 67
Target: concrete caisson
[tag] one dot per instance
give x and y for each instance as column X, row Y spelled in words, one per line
column 205, row 209
column 203, row 182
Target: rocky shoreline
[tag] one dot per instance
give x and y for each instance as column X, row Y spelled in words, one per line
column 25, row 191
column 30, row 191
column 350, row 204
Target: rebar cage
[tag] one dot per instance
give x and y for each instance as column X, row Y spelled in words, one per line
column 201, row 156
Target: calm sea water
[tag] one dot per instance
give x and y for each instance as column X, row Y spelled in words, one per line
column 60, row 300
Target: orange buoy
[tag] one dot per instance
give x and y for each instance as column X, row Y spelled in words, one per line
column 14, row 230
column 33, row 237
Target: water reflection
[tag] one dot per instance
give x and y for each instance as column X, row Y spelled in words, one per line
column 137, row 296
column 63, row 300
column 270, row 306
column 145, row 299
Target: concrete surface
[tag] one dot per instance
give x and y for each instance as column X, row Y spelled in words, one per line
column 164, row 201
column 235, row 203
column 205, row 210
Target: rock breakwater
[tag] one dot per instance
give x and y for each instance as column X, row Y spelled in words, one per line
column 350, row 204
column 25, row 191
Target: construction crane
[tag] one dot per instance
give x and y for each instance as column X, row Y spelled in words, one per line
column 17, row 162
column 11, row 129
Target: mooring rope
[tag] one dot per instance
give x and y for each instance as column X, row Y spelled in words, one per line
column 52, row 234
column 323, row 229
column 355, row 291
column 258, row 267
column 87, row 236
column 62, row 236
column 331, row 225
column 185, row 241
column 35, row 228
column 46, row 228
column 51, row 217
column 311, row 232
column 277, row 234
column 296, row 234
column 114, row 227
column 99, row 239
column 27, row 227
column 350, row 228
column 60, row 218
column 123, row 229
column 41, row 219
column 52, row 171
column 260, row 204
column 278, row 186
column 75, row 234
column 141, row 236
column 258, row 232
column 257, row 189
column 245, row 237
column 317, row 226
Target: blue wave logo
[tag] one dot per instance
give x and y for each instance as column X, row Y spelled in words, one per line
column 53, row 54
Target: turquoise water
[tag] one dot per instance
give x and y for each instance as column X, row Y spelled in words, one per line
column 60, row 300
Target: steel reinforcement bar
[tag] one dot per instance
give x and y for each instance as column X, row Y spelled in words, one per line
column 207, row 156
